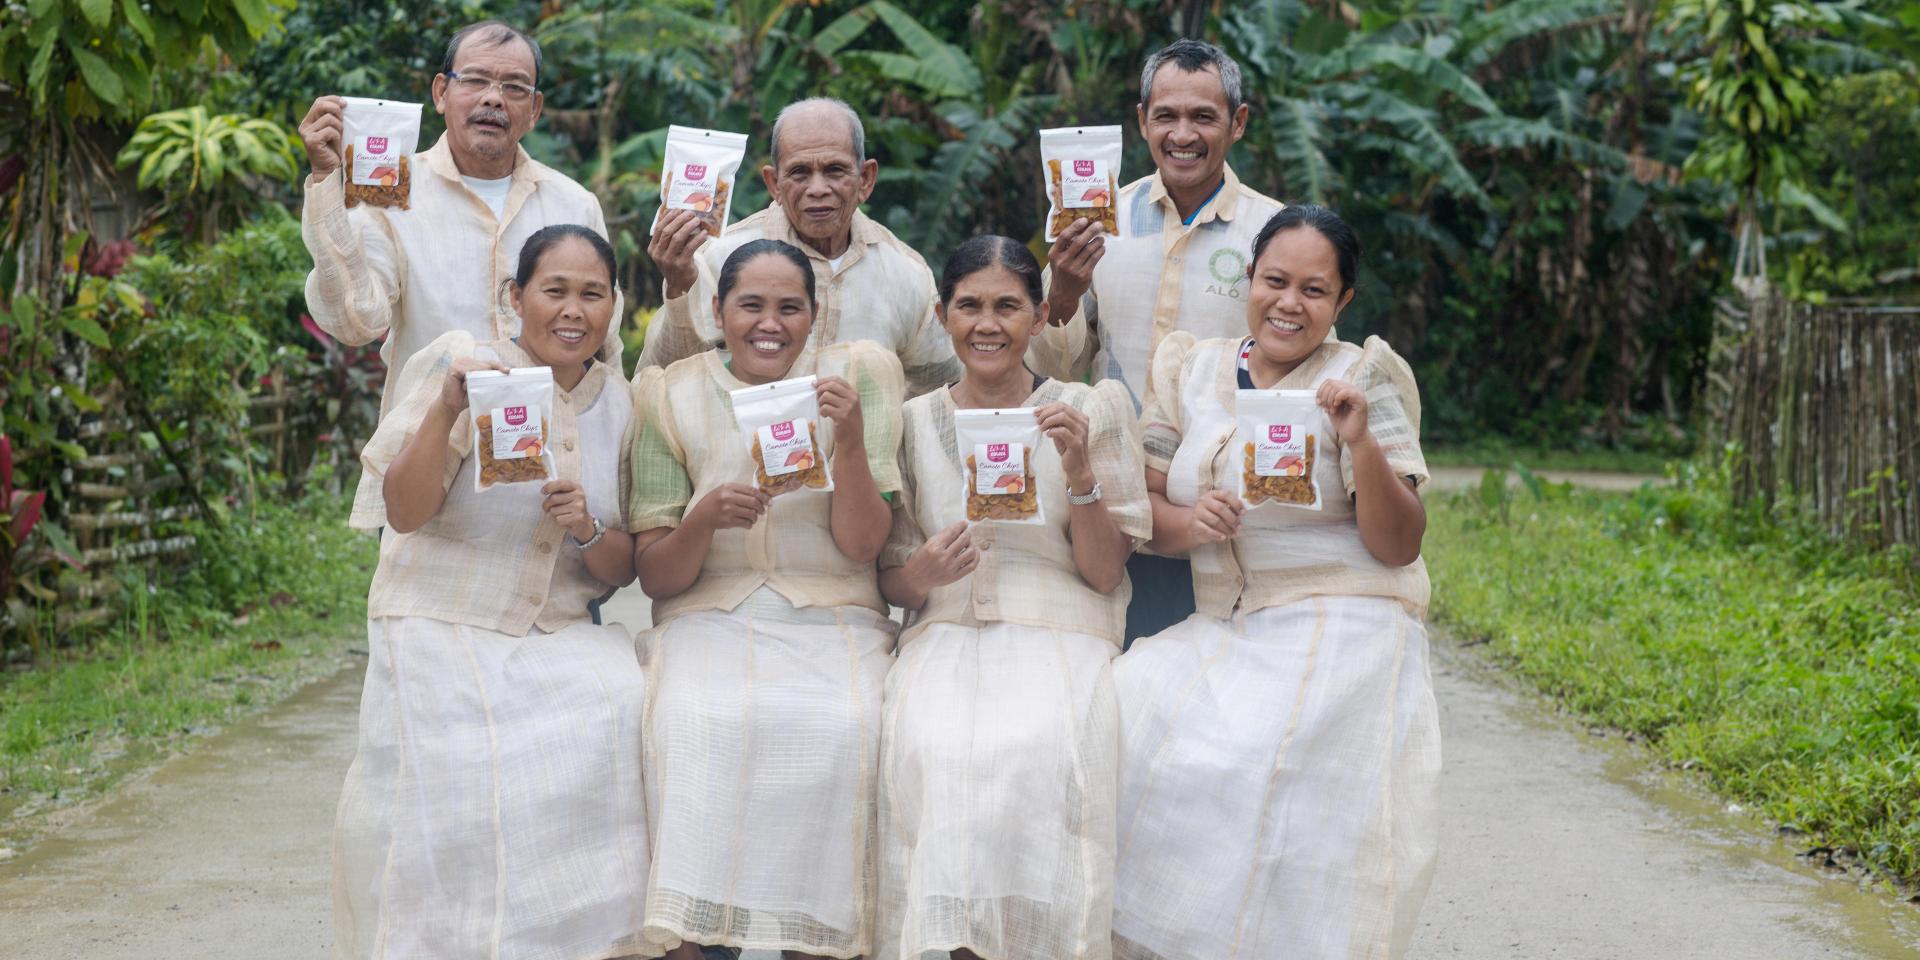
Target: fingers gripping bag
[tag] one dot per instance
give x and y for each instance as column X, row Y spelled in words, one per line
column 781, row 424
column 512, row 415
column 1280, row 436
column 997, row 448
column 1082, row 170
column 377, row 145
column 698, row 175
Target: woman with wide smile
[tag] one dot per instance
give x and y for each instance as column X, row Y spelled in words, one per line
column 997, row 773
column 493, row 805
column 1281, row 746
column 771, row 640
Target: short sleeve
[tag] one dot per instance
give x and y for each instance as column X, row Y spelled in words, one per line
column 1114, row 452
column 877, row 375
column 1393, row 412
column 1160, row 420
column 660, row 488
column 906, row 535
column 418, row 385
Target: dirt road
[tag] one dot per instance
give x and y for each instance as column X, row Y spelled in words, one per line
column 1555, row 844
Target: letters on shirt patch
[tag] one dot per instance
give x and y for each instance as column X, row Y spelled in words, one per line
column 1228, row 268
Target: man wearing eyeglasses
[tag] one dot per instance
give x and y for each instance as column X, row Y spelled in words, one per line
column 442, row 264
column 871, row 285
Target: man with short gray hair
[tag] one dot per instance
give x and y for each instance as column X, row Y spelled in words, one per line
column 870, row 285
column 1179, row 263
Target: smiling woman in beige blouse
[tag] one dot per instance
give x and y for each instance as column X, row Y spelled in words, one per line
column 493, row 805
column 1000, row 736
column 772, row 640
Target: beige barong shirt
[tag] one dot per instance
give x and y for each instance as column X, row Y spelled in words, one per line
column 1158, row 276
column 883, row 292
column 439, row 266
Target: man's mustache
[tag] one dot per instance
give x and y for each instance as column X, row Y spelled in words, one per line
column 488, row 116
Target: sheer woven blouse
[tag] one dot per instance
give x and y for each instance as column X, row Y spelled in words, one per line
column 492, row 558
column 1026, row 573
column 687, row 442
column 1282, row 555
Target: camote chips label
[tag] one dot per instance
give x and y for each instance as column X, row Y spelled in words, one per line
column 787, row 447
column 516, row 434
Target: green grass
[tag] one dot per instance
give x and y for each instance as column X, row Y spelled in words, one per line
column 1784, row 667
column 1501, row 454
column 266, row 610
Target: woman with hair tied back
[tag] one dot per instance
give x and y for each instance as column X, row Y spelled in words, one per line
column 1000, row 739
column 771, row 641
column 493, row 805
column 1281, row 746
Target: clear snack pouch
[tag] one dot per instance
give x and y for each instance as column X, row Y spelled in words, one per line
column 1279, row 438
column 512, row 414
column 377, row 146
column 698, row 175
column 1081, row 167
column 781, row 424
column 996, row 459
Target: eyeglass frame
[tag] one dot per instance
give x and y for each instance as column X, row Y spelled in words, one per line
column 506, row 86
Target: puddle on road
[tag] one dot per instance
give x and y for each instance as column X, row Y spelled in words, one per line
column 1862, row 913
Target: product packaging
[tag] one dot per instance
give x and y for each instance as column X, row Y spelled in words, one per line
column 378, row 142
column 996, row 451
column 512, row 413
column 781, row 424
column 699, row 173
column 1280, row 434
column 1081, row 167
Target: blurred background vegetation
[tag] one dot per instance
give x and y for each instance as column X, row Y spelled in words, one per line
column 1553, row 193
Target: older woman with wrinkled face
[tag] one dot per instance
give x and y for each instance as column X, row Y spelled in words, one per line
column 772, row 640
column 998, row 766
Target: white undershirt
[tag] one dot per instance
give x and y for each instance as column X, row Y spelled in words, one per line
column 494, row 192
column 834, row 262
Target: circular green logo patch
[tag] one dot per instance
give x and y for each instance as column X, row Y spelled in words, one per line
column 1227, row 265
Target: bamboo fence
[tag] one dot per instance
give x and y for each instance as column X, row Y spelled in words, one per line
column 1824, row 400
column 131, row 504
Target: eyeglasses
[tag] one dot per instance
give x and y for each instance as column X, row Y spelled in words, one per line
column 475, row 86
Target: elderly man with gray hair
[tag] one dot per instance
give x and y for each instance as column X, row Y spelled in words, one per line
column 870, row 285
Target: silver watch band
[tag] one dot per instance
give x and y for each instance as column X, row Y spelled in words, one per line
column 599, row 533
column 1082, row 499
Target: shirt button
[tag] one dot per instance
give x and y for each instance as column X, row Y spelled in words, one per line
column 566, row 399
column 545, row 548
column 568, row 445
column 986, row 546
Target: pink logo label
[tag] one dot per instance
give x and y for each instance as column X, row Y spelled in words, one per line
column 1083, row 168
column 515, row 415
column 696, row 171
column 1280, row 432
column 376, row 144
column 997, row 452
column 783, row 431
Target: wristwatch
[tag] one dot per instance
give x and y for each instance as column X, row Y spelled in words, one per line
column 599, row 533
column 1082, row 499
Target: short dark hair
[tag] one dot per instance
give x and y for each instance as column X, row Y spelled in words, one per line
column 1346, row 243
column 1194, row 56
column 751, row 250
column 989, row 250
column 493, row 33
column 548, row 237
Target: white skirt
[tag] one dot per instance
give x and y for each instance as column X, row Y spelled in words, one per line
column 493, row 807
column 997, row 795
column 763, row 732
column 1278, row 787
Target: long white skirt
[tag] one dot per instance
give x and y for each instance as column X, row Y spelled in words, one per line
column 1278, row 787
column 763, row 732
column 493, row 808
column 997, row 795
